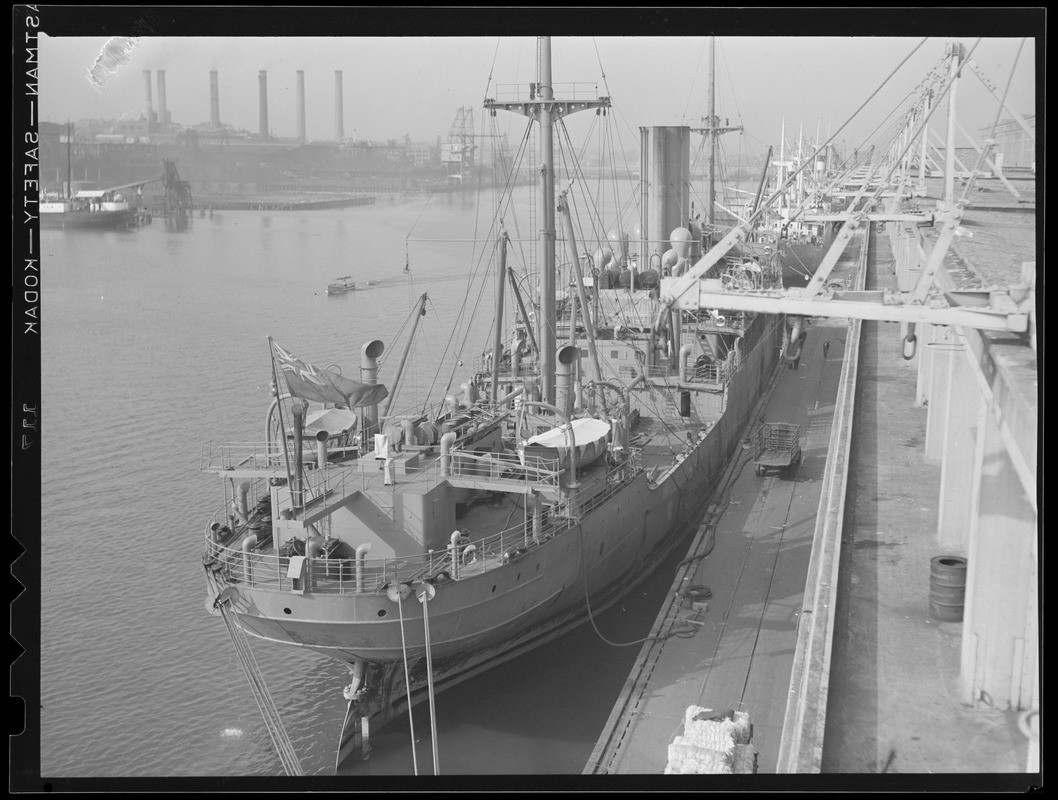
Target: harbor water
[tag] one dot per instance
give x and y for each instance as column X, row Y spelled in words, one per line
column 154, row 342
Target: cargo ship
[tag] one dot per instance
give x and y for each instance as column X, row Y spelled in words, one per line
column 421, row 547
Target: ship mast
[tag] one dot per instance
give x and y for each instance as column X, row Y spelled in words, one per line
column 69, row 166
column 548, row 322
column 710, row 194
column 712, row 131
column 546, row 109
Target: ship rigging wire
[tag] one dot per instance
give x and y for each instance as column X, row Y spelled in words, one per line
column 995, row 124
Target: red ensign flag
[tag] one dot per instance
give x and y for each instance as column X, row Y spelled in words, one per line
column 323, row 386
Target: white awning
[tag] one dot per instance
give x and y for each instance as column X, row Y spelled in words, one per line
column 585, row 431
column 332, row 420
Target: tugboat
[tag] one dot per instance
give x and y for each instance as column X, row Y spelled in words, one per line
column 342, row 285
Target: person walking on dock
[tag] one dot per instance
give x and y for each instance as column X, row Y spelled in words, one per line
column 826, row 349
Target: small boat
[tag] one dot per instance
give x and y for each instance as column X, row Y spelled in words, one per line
column 590, row 438
column 342, row 285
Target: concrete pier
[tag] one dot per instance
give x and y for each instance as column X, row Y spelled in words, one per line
column 942, row 460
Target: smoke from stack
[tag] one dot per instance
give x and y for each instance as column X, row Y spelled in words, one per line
column 163, row 114
column 262, row 78
column 214, row 100
column 301, row 105
column 339, row 122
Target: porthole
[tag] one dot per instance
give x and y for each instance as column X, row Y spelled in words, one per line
column 286, row 610
column 382, row 612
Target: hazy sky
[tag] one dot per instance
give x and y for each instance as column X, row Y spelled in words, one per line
column 395, row 86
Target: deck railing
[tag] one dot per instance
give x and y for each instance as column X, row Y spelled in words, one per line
column 241, row 455
column 260, row 567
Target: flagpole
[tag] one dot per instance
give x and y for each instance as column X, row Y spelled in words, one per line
column 282, row 425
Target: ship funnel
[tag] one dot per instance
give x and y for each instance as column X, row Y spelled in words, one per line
column 163, row 114
column 567, row 356
column 214, row 100
column 262, row 80
column 666, row 168
column 301, row 105
column 369, row 355
column 339, row 121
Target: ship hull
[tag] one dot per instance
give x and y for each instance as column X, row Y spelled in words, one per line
column 478, row 621
column 100, row 220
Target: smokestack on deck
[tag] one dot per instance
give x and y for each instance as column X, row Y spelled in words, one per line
column 262, row 78
column 147, row 89
column 339, row 122
column 163, row 115
column 214, row 100
column 301, row 105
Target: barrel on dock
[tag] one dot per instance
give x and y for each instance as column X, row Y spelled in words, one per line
column 947, row 587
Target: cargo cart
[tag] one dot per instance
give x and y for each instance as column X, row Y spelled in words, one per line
column 777, row 447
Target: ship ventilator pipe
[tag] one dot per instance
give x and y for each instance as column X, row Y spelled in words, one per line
column 243, row 506
column 361, row 555
column 564, row 377
column 369, row 355
column 247, row 564
column 321, row 449
column 446, row 454
column 454, row 545
column 685, row 356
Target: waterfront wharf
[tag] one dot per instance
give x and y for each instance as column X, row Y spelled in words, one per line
column 753, row 557
column 280, row 202
column 820, row 622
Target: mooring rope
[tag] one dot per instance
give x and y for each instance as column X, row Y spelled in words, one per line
column 269, row 712
column 407, row 682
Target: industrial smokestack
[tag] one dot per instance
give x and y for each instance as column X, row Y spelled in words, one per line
column 339, row 122
column 262, row 78
column 301, row 105
column 163, row 115
column 214, row 100
column 147, row 89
